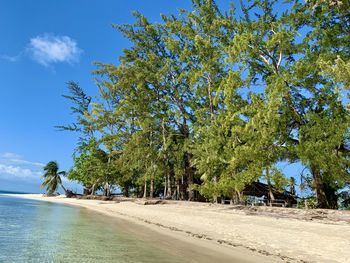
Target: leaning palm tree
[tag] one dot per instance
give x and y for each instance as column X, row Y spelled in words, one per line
column 52, row 177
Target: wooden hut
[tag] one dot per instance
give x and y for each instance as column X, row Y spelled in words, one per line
column 259, row 194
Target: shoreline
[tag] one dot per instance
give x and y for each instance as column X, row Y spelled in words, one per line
column 262, row 237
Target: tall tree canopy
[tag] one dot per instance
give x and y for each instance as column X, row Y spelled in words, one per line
column 208, row 101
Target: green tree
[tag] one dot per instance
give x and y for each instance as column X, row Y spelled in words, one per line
column 91, row 169
column 212, row 101
column 52, row 178
column 80, row 108
column 324, row 133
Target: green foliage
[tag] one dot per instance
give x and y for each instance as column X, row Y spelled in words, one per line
column 52, row 177
column 217, row 99
column 210, row 190
column 307, row 202
column 93, row 168
column 278, row 179
column 80, row 109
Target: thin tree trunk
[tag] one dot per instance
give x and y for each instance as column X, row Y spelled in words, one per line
column 234, row 198
column 178, row 189
column 126, row 190
column 190, row 184
column 169, row 192
column 64, row 189
column 165, row 187
column 93, row 189
column 139, row 191
column 87, row 191
column 107, row 187
column 106, row 191
column 215, row 197
column 188, row 174
column 151, row 194
column 211, row 106
column 145, row 189
column 271, row 195
column 239, row 197
column 182, row 188
column 186, row 169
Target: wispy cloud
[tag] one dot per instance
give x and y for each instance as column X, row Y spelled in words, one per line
column 9, row 156
column 17, row 171
column 14, row 167
column 20, row 174
column 49, row 49
column 20, row 161
column 11, row 58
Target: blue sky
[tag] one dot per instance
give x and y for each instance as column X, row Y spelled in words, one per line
column 45, row 44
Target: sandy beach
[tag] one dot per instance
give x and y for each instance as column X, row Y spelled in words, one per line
column 256, row 235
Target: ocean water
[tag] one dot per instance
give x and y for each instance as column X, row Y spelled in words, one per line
column 33, row 231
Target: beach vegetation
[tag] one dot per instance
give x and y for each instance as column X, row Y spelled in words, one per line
column 209, row 101
column 52, row 178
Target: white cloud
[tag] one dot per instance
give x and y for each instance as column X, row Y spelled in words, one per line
column 48, row 49
column 19, row 174
column 20, row 161
column 14, row 167
column 17, row 171
column 9, row 155
column 17, row 159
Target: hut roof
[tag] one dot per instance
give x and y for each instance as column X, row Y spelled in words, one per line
column 259, row 189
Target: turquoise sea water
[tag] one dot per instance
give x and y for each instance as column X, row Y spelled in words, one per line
column 34, row 231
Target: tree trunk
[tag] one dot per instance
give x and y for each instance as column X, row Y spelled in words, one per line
column 126, row 190
column 188, row 174
column 167, row 184
column 151, row 192
column 169, row 192
column 87, row 191
column 239, row 196
column 325, row 194
column 210, row 96
column 271, row 195
column 215, row 179
column 165, row 187
column 139, row 191
column 319, row 191
column 145, row 190
column 187, row 178
column 106, row 189
column 190, row 185
column 235, row 199
column 178, row 189
column 93, row 189
column 182, row 188
column 64, row 189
